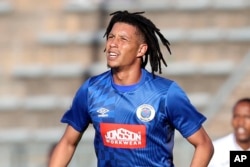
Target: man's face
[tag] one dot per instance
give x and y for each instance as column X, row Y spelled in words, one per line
column 241, row 122
column 124, row 46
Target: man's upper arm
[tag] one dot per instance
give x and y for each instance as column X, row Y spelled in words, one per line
column 71, row 136
column 199, row 137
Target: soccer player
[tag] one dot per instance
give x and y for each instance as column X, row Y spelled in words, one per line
column 239, row 140
column 134, row 112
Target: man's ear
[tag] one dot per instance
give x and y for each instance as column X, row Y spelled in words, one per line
column 142, row 50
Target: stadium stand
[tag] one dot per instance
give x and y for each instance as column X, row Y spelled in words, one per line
column 47, row 50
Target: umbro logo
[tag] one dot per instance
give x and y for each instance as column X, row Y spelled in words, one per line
column 103, row 112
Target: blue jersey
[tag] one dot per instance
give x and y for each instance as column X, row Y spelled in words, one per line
column 134, row 124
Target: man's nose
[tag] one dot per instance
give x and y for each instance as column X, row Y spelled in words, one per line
column 114, row 42
column 241, row 121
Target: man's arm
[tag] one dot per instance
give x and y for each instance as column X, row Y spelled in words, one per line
column 65, row 148
column 203, row 148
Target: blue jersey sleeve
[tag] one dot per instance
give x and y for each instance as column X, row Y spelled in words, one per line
column 77, row 116
column 184, row 116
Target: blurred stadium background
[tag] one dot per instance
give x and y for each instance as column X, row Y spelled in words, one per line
column 48, row 48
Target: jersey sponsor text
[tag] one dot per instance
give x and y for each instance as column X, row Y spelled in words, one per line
column 123, row 135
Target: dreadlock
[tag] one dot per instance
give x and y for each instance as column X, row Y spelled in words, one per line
column 149, row 31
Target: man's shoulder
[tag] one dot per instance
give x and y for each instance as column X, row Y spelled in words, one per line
column 224, row 138
column 224, row 141
column 100, row 77
column 157, row 78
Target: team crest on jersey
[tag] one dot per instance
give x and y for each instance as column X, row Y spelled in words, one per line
column 145, row 112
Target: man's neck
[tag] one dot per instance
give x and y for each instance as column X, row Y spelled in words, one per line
column 126, row 77
column 244, row 146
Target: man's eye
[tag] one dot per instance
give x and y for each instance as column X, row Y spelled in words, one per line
column 124, row 39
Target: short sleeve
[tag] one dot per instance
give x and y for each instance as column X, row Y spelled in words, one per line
column 183, row 115
column 77, row 116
